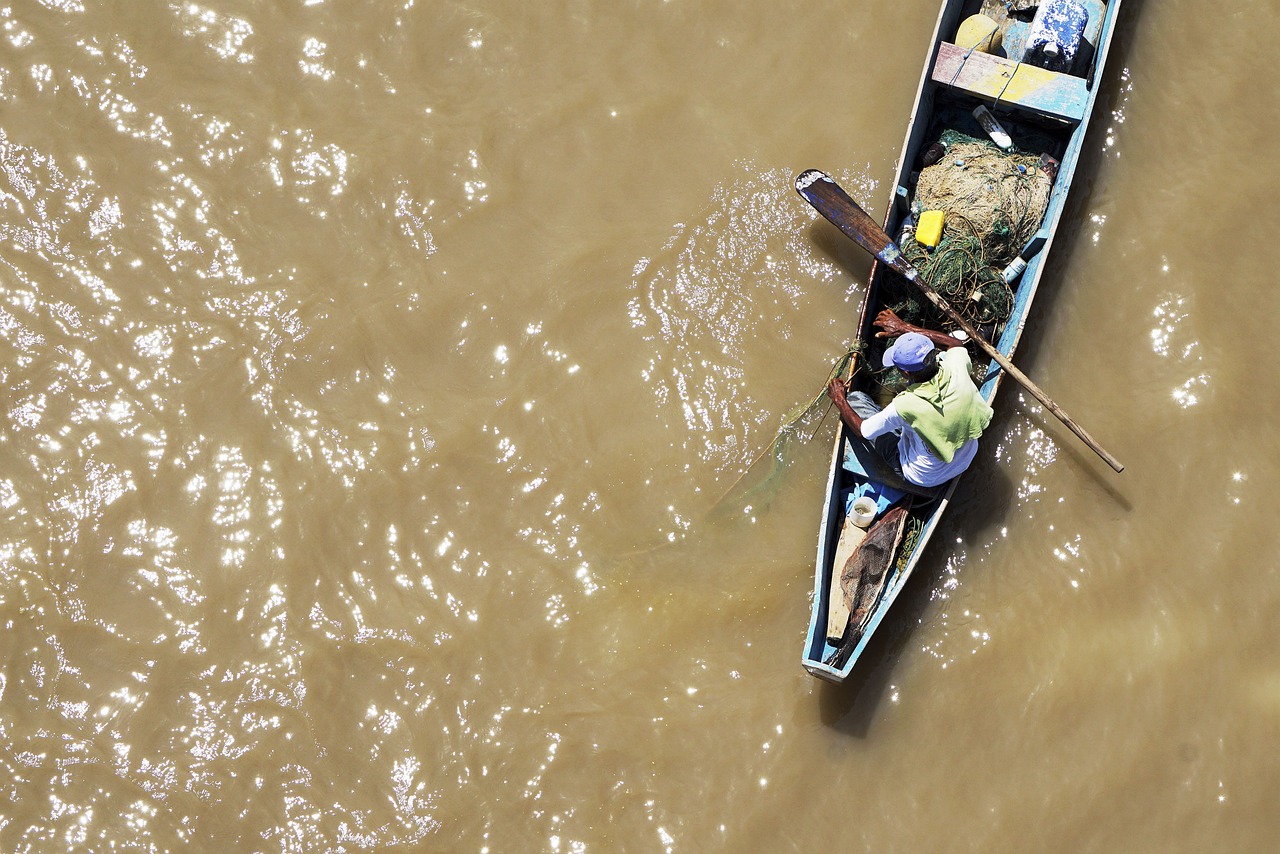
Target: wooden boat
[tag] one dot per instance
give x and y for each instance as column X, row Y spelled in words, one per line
column 1049, row 109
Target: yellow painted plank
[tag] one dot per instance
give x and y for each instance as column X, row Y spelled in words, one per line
column 994, row 77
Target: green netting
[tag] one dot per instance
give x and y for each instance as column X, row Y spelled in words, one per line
column 794, row 425
column 994, row 202
column 959, row 270
column 1003, row 194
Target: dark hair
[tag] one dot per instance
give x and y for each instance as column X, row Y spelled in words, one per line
column 928, row 369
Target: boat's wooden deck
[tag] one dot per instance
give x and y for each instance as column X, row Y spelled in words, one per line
column 1042, row 92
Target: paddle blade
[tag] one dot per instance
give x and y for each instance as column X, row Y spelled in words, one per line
column 829, row 199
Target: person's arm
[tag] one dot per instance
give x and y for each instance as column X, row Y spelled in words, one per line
column 892, row 326
column 839, row 394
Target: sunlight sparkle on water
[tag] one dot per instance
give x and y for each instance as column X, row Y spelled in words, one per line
column 314, row 50
column 1237, row 478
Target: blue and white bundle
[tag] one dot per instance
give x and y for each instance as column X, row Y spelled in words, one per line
column 1056, row 34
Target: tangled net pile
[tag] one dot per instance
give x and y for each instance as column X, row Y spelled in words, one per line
column 994, row 202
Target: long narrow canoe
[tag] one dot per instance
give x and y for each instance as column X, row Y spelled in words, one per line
column 1031, row 103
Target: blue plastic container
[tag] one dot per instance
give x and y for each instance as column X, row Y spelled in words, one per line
column 1056, row 34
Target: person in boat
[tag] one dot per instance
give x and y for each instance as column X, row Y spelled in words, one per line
column 929, row 431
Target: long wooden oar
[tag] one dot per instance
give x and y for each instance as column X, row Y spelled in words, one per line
column 829, row 199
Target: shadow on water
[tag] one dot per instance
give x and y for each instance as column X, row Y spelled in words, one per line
column 835, row 247
column 850, row 707
column 1074, row 220
column 1074, row 224
column 980, row 501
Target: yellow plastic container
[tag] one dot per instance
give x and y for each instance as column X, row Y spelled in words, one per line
column 980, row 33
column 929, row 231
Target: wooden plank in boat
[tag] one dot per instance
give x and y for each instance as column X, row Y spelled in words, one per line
column 851, row 536
column 1046, row 93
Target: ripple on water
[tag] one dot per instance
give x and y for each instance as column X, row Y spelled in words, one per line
column 1170, row 340
column 721, row 297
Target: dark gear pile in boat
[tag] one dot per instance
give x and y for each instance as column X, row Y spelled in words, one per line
column 1003, row 194
column 994, row 201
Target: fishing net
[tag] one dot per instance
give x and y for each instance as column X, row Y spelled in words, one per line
column 794, row 425
column 1002, row 194
column 994, row 202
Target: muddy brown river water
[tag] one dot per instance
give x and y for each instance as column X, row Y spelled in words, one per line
column 373, row 373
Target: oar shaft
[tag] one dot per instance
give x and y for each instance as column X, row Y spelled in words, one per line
column 830, row 200
column 1015, row 372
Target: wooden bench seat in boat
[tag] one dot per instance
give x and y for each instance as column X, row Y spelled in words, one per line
column 990, row 77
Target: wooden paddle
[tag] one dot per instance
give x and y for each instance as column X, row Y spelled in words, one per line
column 829, row 199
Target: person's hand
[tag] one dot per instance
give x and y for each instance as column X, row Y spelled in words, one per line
column 891, row 324
column 837, row 390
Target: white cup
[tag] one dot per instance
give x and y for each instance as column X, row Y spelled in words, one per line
column 863, row 511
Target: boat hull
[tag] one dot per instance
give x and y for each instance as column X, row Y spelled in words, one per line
column 1064, row 122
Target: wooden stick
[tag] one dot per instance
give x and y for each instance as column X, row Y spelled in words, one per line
column 830, row 200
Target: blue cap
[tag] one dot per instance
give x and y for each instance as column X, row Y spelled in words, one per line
column 909, row 353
